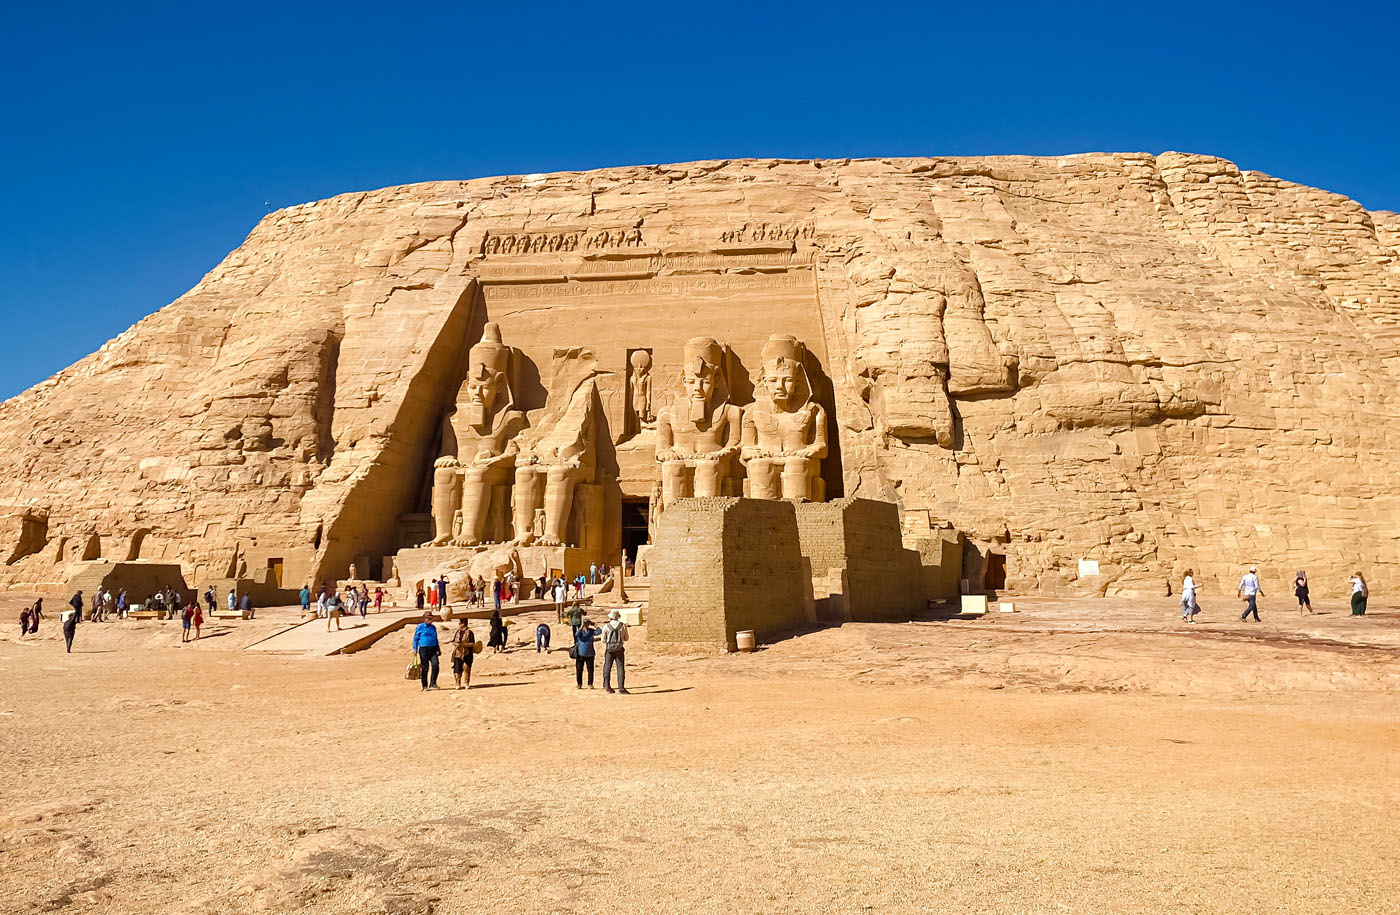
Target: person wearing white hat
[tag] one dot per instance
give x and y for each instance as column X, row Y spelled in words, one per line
column 1250, row 591
column 614, row 652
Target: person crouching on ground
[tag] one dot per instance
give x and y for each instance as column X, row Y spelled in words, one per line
column 463, row 647
column 583, row 651
column 425, row 642
column 333, row 610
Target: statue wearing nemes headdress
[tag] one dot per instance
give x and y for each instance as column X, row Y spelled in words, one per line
column 784, row 437
column 697, row 437
column 478, row 443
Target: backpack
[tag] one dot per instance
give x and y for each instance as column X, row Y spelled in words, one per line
column 612, row 636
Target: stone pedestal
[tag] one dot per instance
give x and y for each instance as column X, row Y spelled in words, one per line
column 720, row 565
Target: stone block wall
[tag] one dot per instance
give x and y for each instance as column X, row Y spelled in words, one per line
column 722, row 565
column 883, row 580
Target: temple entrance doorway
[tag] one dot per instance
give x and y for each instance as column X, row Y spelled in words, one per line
column 634, row 526
column 996, row 572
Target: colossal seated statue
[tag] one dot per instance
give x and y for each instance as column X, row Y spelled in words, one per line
column 784, row 438
column 697, row 437
column 549, row 467
column 478, row 444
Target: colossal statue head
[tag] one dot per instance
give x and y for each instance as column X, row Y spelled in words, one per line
column 784, row 373
column 488, row 385
column 701, row 377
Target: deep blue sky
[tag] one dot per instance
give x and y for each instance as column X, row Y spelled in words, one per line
column 140, row 142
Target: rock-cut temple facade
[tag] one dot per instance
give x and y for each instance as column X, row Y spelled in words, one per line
column 1100, row 370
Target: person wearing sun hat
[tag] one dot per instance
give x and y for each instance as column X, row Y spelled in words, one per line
column 1250, row 592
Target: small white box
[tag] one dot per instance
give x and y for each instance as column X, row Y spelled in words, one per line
column 974, row 604
column 1006, row 606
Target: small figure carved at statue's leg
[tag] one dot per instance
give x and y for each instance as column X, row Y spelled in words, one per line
column 527, row 500
column 709, row 478
column 797, row 478
column 764, row 479
column 446, row 501
column 476, row 501
column 675, row 481
column 558, row 497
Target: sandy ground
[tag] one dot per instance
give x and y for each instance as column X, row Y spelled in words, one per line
column 1073, row 756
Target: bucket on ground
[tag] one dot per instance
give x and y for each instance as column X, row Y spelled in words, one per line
column 744, row 640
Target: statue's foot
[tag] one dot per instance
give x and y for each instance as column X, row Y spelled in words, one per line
column 525, row 540
column 551, row 541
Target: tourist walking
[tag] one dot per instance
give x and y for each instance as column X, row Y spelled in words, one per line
column 559, row 595
column 1189, row 607
column 305, row 599
column 583, row 652
column 615, row 652
column 36, row 613
column 541, row 638
column 425, row 643
column 463, row 647
column 496, row 591
column 593, row 580
column 232, row 601
column 76, row 602
column 70, row 626
column 433, row 595
column 364, row 601
column 24, row 616
column 1359, row 594
column 1300, row 589
column 420, row 597
column 1250, row 591
column 442, row 591
column 246, row 606
column 124, row 605
column 378, row 600
column 498, row 632
column 211, row 599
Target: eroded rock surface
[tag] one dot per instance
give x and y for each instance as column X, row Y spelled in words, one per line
column 1151, row 362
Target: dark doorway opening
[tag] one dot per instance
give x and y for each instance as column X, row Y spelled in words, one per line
column 634, row 526
column 274, row 572
column 996, row 572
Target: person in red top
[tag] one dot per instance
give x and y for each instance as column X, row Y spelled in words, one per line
column 378, row 600
column 198, row 619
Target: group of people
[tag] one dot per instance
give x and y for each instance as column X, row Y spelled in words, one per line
column 331, row 606
column 103, row 606
column 1250, row 590
column 612, row 637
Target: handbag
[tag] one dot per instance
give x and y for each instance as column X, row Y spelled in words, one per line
column 573, row 652
column 414, row 669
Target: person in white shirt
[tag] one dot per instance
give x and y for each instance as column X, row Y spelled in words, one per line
column 1189, row 607
column 1359, row 593
column 1250, row 591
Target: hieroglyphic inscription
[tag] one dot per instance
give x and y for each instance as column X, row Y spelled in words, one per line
column 549, row 242
column 725, row 284
column 766, row 231
column 648, row 263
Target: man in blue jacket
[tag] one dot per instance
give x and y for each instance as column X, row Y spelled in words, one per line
column 425, row 642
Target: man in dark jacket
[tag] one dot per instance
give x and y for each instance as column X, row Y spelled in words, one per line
column 425, row 642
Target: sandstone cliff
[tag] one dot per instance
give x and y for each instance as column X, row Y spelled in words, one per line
column 1152, row 362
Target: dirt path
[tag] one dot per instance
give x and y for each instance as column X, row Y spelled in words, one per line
column 1073, row 756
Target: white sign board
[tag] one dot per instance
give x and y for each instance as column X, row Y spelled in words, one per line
column 1088, row 567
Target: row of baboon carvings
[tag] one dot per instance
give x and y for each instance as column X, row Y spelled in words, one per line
column 584, row 240
column 706, row 445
